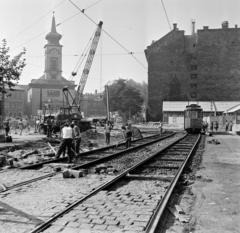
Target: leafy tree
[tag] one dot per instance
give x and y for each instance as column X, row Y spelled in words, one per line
column 124, row 99
column 142, row 87
column 10, row 69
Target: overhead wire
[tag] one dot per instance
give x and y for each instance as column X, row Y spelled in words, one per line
column 97, row 54
column 36, row 21
column 82, row 11
column 49, row 28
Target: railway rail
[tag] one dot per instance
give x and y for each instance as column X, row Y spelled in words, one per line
column 86, row 160
column 133, row 201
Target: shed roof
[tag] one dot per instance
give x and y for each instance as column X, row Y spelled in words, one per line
column 179, row 106
column 233, row 109
column 218, row 106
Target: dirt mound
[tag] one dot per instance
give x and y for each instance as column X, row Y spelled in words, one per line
column 136, row 132
column 91, row 134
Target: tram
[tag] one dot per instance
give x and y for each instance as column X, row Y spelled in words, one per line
column 193, row 118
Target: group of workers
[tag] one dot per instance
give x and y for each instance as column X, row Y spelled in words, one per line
column 7, row 125
column 127, row 131
column 214, row 125
column 71, row 138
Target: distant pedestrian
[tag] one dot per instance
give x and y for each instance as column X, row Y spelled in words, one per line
column 226, row 126
column 27, row 126
column 49, row 127
column 211, row 126
column 129, row 135
column 6, row 126
column 230, row 126
column 37, row 124
column 67, row 140
column 216, row 125
column 107, row 129
column 20, row 126
column 77, row 135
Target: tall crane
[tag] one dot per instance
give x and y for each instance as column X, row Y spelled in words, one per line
column 77, row 99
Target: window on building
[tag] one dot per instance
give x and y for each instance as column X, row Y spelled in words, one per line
column 193, row 95
column 53, row 64
column 193, row 76
column 53, row 76
column 194, row 85
column 193, row 67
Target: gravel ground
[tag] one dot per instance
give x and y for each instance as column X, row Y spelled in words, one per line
column 123, row 162
column 183, row 195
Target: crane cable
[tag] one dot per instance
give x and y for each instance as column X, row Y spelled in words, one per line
column 109, row 35
column 81, row 59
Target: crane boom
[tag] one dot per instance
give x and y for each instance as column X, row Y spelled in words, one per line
column 88, row 64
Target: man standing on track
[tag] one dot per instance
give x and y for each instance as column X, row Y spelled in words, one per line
column 78, row 135
column 107, row 128
column 129, row 135
column 67, row 141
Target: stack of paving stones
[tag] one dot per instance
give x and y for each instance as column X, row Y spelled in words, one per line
column 109, row 211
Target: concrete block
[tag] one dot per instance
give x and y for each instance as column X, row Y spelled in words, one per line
column 57, row 169
column 75, row 173
column 10, row 162
column 97, row 169
column 85, row 171
column 2, row 160
column 66, row 174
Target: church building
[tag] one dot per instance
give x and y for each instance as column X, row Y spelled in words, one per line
column 46, row 91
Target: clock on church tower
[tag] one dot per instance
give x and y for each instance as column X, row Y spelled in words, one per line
column 54, row 52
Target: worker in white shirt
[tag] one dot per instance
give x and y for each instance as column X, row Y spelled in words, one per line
column 67, row 140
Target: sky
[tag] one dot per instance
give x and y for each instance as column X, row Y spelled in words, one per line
column 131, row 26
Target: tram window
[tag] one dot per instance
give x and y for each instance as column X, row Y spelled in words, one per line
column 194, row 114
column 186, row 114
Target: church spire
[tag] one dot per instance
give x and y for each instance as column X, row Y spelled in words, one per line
column 53, row 29
column 53, row 37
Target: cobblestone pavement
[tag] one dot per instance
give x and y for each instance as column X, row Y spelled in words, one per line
column 127, row 209
column 15, row 176
column 23, row 208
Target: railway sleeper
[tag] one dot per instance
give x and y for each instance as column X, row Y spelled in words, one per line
column 160, row 167
column 150, row 177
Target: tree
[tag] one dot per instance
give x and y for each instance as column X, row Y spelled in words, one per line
column 142, row 87
column 10, row 70
column 124, row 99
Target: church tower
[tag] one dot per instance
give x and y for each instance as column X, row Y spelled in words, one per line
column 53, row 55
column 46, row 92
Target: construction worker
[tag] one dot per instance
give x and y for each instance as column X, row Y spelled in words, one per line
column 6, row 126
column 128, row 135
column 20, row 126
column 107, row 129
column 49, row 127
column 67, row 141
column 78, row 135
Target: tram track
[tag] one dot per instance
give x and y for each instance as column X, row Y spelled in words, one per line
column 47, row 197
column 128, row 198
column 86, row 160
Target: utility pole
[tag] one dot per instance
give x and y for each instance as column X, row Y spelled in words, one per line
column 107, row 98
column 41, row 97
